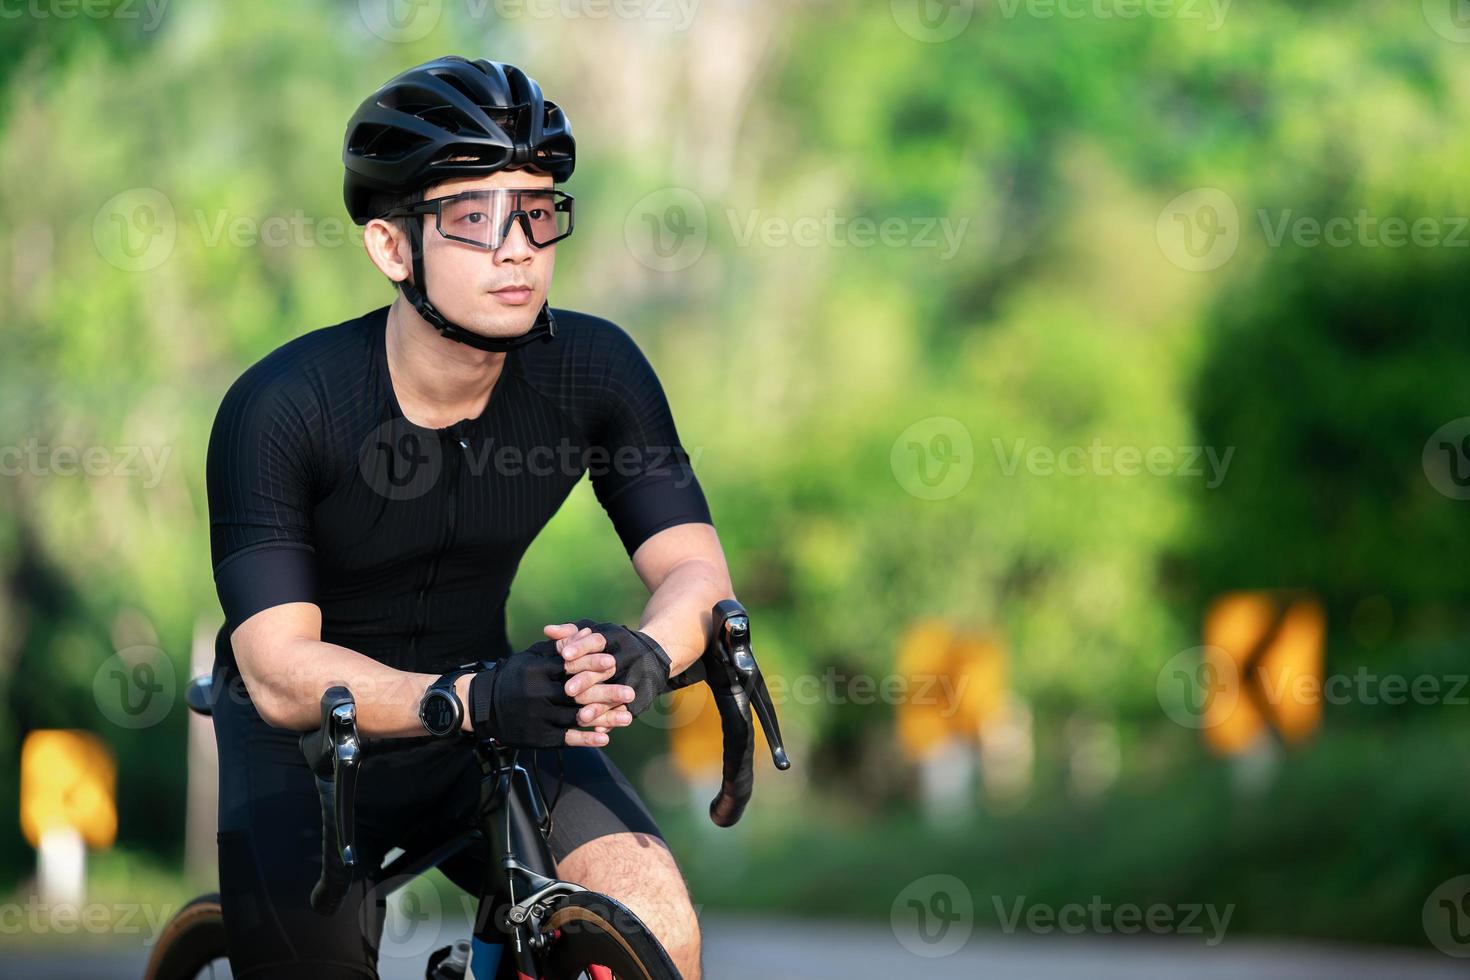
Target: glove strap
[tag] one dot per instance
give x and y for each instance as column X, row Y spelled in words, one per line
column 482, row 701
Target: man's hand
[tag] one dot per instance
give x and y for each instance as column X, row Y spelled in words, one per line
column 523, row 701
column 636, row 664
column 603, row 704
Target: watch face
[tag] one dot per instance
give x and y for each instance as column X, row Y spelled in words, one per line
column 438, row 713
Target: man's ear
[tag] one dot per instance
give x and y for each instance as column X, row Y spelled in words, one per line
column 388, row 246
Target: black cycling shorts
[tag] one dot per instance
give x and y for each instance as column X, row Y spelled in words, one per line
column 270, row 835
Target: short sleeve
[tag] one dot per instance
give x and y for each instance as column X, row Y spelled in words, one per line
column 259, row 478
column 640, row 471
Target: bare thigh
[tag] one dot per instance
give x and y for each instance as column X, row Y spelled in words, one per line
column 639, row 871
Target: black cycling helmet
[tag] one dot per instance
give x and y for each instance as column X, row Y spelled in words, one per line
column 451, row 117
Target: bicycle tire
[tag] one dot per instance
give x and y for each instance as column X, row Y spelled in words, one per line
column 193, row 938
column 593, row 930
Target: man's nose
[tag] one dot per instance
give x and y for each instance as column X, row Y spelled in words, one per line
column 517, row 245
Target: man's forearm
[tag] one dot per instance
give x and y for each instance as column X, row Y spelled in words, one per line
column 678, row 612
column 387, row 699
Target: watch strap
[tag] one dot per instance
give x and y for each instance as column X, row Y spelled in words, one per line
column 446, row 680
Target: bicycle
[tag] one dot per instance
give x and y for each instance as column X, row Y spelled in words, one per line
column 550, row 929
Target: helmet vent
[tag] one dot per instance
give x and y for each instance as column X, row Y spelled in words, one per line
column 384, row 143
column 507, row 119
column 453, row 78
column 445, row 117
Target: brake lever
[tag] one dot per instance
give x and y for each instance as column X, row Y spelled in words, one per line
column 334, row 754
column 742, row 659
column 735, row 680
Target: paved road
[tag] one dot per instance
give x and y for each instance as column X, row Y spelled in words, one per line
column 752, row 950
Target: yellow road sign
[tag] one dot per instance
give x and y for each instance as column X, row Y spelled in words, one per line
column 1263, row 664
column 954, row 684
column 68, row 779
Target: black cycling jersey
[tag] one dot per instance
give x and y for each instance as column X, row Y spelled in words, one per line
column 407, row 537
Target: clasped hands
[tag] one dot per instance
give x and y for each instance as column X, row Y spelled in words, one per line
column 614, row 673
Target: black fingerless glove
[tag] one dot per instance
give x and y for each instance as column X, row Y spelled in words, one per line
column 641, row 662
column 521, row 701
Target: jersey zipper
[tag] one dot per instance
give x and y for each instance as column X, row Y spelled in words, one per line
column 453, row 443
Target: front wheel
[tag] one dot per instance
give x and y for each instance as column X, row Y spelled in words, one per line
column 597, row 938
column 192, row 946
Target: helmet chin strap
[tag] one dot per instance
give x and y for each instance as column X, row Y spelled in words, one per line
column 543, row 329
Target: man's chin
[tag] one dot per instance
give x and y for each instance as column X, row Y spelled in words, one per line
column 500, row 327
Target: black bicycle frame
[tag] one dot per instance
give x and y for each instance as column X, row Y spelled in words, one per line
column 520, row 875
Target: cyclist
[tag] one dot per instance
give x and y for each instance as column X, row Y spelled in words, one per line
column 372, row 487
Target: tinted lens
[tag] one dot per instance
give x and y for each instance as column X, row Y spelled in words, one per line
column 549, row 215
column 475, row 218
column 482, row 218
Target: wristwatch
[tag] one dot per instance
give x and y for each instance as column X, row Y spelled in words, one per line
column 440, row 709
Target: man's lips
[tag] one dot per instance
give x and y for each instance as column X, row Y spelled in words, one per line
column 514, row 295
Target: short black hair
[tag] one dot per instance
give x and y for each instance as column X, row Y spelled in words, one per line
column 383, row 203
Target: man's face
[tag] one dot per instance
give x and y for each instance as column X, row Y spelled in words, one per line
column 495, row 293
